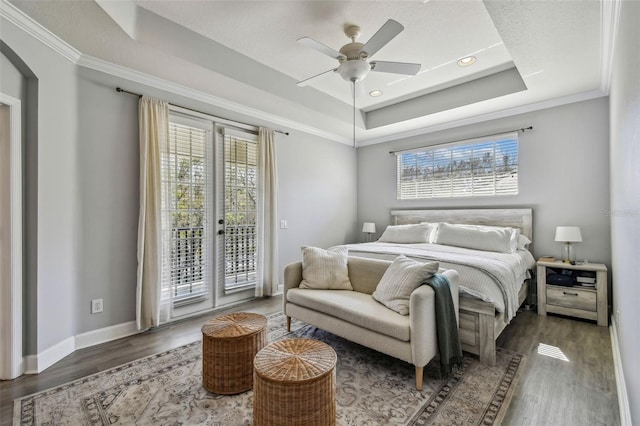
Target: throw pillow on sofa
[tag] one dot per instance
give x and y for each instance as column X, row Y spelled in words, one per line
column 325, row 269
column 402, row 277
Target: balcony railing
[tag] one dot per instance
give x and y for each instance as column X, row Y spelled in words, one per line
column 188, row 264
column 240, row 256
column 188, row 261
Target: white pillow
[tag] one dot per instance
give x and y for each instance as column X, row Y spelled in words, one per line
column 487, row 238
column 407, row 234
column 523, row 242
column 434, row 231
column 400, row 279
column 325, row 269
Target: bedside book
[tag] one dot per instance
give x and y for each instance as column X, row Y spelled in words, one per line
column 547, row 259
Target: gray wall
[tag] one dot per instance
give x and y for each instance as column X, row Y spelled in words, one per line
column 564, row 175
column 317, row 184
column 625, row 196
column 50, row 233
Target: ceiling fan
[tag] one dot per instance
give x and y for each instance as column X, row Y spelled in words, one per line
column 353, row 56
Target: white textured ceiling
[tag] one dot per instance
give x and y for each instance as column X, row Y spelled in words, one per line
column 554, row 47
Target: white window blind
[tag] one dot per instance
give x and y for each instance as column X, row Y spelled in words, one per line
column 240, row 209
column 185, row 170
column 474, row 168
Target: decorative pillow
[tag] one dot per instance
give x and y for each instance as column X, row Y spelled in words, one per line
column 325, row 269
column 487, row 238
column 400, row 279
column 407, row 234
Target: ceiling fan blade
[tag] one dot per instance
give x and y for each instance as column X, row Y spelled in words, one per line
column 316, row 45
column 395, row 67
column 384, row 35
column 304, row 82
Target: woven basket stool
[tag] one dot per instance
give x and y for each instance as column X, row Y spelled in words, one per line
column 229, row 344
column 295, row 384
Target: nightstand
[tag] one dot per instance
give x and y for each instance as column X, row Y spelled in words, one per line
column 588, row 302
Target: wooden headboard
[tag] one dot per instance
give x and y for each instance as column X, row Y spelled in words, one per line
column 515, row 218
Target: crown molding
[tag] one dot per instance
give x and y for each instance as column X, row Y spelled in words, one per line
column 481, row 118
column 610, row 16
column 18, row 18
column 197, row 95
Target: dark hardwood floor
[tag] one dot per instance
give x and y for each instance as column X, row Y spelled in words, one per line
column 568, row 378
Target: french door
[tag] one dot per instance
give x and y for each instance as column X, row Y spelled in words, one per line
column 209, row 221
column 237, row 214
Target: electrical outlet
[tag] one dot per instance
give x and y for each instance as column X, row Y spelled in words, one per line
column 96, row 306
column 617, row 316
column 284, row 224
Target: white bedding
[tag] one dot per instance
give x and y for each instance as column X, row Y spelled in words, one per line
column 490, row 276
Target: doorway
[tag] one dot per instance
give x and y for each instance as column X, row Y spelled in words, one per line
column 11, row 361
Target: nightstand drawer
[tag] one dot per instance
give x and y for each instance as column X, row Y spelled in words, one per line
column 572, row 297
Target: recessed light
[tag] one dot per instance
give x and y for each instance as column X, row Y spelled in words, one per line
column 466, row 61
column 375, row 93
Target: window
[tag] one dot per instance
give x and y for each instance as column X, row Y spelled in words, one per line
column 186, row 170
column 474, row 168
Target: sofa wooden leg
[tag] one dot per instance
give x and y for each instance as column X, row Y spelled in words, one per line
column 419, row 371
column 288, row 323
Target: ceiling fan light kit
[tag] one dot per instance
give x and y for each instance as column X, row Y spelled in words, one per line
column 354, row 70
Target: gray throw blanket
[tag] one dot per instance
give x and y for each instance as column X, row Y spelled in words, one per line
column 446, row 325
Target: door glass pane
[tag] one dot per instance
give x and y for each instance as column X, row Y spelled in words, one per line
column 240, row 189
column 185, row 175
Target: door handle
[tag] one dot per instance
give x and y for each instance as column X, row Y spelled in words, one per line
column 221, row 232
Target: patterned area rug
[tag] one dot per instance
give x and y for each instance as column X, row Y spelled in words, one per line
column 372, row 389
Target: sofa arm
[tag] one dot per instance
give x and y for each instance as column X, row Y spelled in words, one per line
column 292, row 279
column 424, row 343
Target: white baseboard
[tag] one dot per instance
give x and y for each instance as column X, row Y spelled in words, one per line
column 35, row 364
column 106, row 334
column 621, row 387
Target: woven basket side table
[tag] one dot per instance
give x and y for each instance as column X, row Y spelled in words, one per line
column 295, row 384
column 229, row 344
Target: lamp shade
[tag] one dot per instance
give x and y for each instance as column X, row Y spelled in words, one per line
column 568, row 234
column 369, row 227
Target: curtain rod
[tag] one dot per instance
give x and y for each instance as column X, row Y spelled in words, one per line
column 522, row 129
column 121, row 90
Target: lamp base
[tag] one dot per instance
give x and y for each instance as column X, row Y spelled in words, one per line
column 567, row 254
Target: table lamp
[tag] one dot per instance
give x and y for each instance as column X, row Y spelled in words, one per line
column 369, row 228
column 568, row 235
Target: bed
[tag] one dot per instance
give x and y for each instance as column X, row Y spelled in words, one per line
column 492, row 285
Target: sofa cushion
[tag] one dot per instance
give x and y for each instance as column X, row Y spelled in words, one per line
column 354, row 307
column 400, row 280
column 325, row 269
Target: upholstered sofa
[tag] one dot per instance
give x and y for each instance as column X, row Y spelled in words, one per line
column 356, row 316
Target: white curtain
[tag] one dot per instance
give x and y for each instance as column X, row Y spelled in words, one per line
column 152, row 308
column 267, row 277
